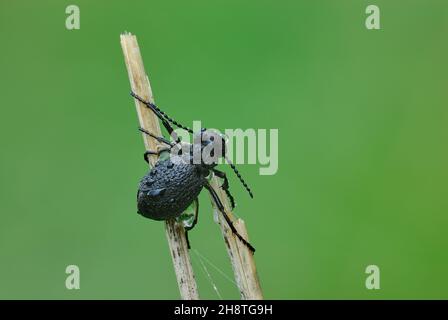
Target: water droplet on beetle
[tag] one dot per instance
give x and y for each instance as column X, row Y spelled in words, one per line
column 156, row 192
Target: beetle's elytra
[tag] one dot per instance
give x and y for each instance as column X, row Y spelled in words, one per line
column 174, row 183
column 168, row 189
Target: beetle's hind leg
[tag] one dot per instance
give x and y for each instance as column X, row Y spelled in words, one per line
column 188, row 240
column 225, row 186
column 195, row 221
column 229, row 222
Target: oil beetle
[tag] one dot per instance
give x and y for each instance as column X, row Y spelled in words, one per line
column 175, row 182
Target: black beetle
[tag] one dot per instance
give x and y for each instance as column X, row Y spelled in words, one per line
column 174, row 183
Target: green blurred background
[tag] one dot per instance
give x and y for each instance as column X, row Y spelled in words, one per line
column 362, row 119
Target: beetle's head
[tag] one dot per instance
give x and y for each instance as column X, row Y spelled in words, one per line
column 212, row 146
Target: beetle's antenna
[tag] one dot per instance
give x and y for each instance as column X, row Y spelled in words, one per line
column 162, row 115
column 239, row 176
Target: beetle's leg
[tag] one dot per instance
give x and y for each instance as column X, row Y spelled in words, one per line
column 157, row 153
column 196, row 215
column 225, row 185
column 195, row 221
column 188, row 240
column 229, row 222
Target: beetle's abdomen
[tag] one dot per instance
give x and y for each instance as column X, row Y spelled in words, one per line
column 168, row 189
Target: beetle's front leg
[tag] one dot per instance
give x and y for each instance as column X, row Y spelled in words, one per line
column 151, row 153
column 225, row 185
